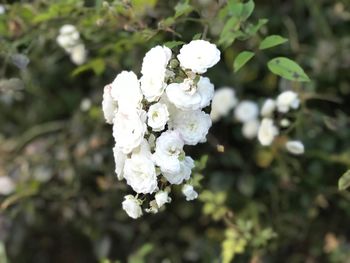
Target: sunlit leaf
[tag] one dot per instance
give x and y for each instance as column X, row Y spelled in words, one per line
column 183, row 8
column 288, row 69
column 242, row 59
column 272, row 41
column 172, row 44
column 344, row 181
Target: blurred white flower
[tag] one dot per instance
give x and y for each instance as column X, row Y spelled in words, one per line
column 268, row 108
column 162, row 197
column 193, row 126
column 198, row 56
column 250, row 129
column 2, row 9
column 109, row 105
column 285, row 123
column 68, row 37
column 169, row 147
column 267, row 131
column 126, row 91
column 128, row 130
column 287, row 100
column 189, row 192
column 158, row 116
column 78, row 54
column 223, row 101
column 132, row 206
column 295, row 147
column 7, row 186
column 154, row 71
column 246, row 110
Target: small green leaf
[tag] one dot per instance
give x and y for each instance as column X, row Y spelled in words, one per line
column 197, row 36
column 97, row 66
column 288, row 69
column 183, row 8
column 344, row 181
column 272, row 41
column 172, row 44
column 247, row 10
column 242, row 59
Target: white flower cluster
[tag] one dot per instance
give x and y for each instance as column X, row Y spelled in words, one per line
column 155, row 116
column 69, row 40
column 274, row 113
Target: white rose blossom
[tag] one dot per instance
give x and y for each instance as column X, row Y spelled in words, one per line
column 132, row 206
column 109, row 105
column 126, row 91
column 129, row 130
column 193, row 126
column 198, row 56
column 224, row 100
column 188, row 96
column 295, row 147
column 78, row 54
column 119, row 159
column 158, row 116
column 189, row 192
column 287, row 100
column 154, row 71
column 267, row 132
column 161, row 198
column 169, row 147
column 246, row 110
column 186, row 166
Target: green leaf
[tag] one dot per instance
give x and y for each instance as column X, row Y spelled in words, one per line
column 344, row 181
column 288, row 69
column 247, row 10
column 272, row 41
column 197, row 36
column 242, row 59
column 172, row 44
column 183, row 9
column 97, row 65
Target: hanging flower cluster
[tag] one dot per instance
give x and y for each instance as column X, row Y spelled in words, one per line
column 155, row 116
column 69, row 40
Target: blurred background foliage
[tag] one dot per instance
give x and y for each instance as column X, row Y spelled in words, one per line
column 257, row 204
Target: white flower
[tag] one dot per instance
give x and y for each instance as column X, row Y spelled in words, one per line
column 126, row 90
column 169, row 147
column 78, row 54
column 153, row 207
column 268, row 108
column 132, row 206
column 2, row 9
column 186, row 166
column 295, row 147
column 198, row 56
column 250, row 129
column 154, row 71
column 267, row 131
column 189, row 192
column 246, row 110
column 140, row 173
column 7, row 186
column 224, row 100
column 119, row 160
column 287, row 100
column 193, row 126
column 187, row 96
column 158, row 116
column 206, row 90
column 162, row 197
column 285, row 123
column 68, row 37
column 128, row 130
column 109, row 105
